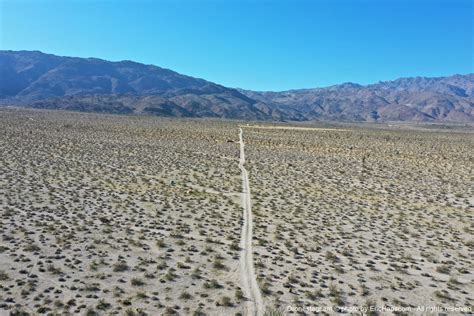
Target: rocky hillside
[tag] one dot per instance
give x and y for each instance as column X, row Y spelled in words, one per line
column 41, row 80
column 407, row 99
column 31, row 78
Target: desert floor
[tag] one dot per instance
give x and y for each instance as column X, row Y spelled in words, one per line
column 107, row 214
column 363, row 216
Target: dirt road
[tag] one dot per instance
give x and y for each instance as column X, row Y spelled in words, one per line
column 254, row 304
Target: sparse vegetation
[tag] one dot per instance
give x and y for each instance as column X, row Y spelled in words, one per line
column 341, row 206
column 142, row 215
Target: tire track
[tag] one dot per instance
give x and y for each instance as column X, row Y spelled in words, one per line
column 254, row 303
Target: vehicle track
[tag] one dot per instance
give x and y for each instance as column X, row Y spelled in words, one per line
column 254, row 304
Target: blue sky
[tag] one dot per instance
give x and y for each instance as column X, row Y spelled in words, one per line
column 260, row 44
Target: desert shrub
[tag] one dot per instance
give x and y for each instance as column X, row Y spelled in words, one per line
column 443, row 269
column 120, row 266
column 4, row 276
column 185, row 296
column 218, row 264
column 137, row 282
column 226, row 301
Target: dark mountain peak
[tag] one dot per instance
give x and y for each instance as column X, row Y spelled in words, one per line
column 346, row 85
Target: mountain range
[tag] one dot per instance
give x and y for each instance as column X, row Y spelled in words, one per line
column 39, row 80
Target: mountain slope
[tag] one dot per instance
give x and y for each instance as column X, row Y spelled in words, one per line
column 89, row 84
column 32, row 78
column 39, row 76
column 406, row 99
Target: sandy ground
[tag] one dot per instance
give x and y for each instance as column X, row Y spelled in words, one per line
column 378, row 218
column 106, row 214
column 113, row 215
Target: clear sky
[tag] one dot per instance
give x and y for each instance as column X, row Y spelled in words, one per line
column 260, row 44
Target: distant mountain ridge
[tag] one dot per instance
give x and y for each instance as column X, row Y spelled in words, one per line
column 406, row 99
column 35, row 79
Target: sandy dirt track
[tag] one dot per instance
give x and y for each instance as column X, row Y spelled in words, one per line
column 254, row 305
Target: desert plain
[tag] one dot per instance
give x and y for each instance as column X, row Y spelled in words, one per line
column 132, row 215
